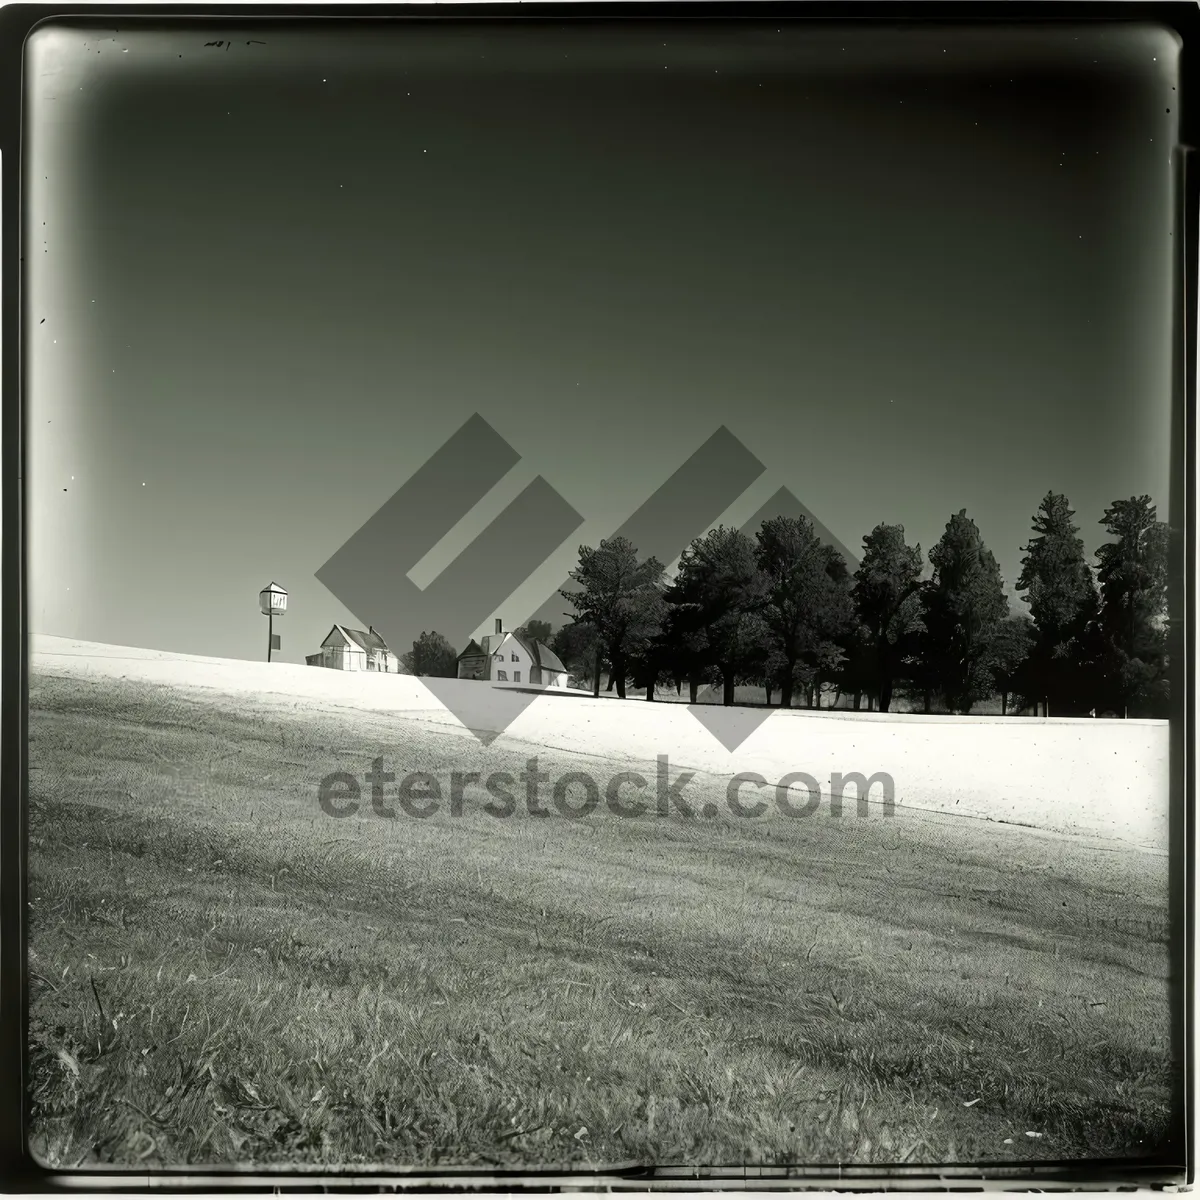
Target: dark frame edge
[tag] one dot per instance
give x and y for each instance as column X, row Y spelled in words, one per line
column 1182, row 638
column 19, row 1171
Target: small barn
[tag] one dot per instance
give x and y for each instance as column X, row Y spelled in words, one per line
column 347, row 649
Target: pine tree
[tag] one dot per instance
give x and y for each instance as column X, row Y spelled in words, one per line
column 715, row 598
column 858, row 674
column 1010, row 652
column 1132, row 621
column 885, row 592
column 962, row 607
column 806, row 604
column 1057, row 583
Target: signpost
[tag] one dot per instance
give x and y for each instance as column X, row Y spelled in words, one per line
column 273, row 602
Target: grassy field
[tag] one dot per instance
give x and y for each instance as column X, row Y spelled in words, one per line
column 222, row 973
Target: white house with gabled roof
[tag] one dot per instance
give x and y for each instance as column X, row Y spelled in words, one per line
column 346, row 649
column 509, row 657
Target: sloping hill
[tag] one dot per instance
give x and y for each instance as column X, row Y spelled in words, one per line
column 1101, row 779
column 225, row 971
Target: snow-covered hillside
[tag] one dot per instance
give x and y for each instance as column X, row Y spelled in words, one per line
column 1095, row 778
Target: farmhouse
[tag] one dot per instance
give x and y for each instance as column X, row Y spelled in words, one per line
column 353, row 650
column 511, row 658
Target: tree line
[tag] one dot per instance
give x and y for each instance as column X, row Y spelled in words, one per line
column 781, row 610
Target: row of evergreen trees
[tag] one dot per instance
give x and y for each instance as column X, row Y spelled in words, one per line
column 781, row 610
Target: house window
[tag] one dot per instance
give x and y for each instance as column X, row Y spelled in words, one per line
column 502, row 675
column 516, row 658
column 516, row 677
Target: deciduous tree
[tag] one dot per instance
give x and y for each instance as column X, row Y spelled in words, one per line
column 577, row 645
column 805, row 604
column 432, row 656
column 621, row 597
column 536, row 631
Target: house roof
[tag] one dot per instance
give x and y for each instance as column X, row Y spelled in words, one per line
column 493, row 643
column 538, row 652
column 369, row 641
column 546, row 658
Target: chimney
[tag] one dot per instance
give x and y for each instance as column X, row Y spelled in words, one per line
column 371, row 630
column 499, row 625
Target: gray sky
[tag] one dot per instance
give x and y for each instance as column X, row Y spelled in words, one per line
column 913, row 271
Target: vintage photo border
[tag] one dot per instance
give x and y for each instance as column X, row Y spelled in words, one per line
column 21, row 1173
